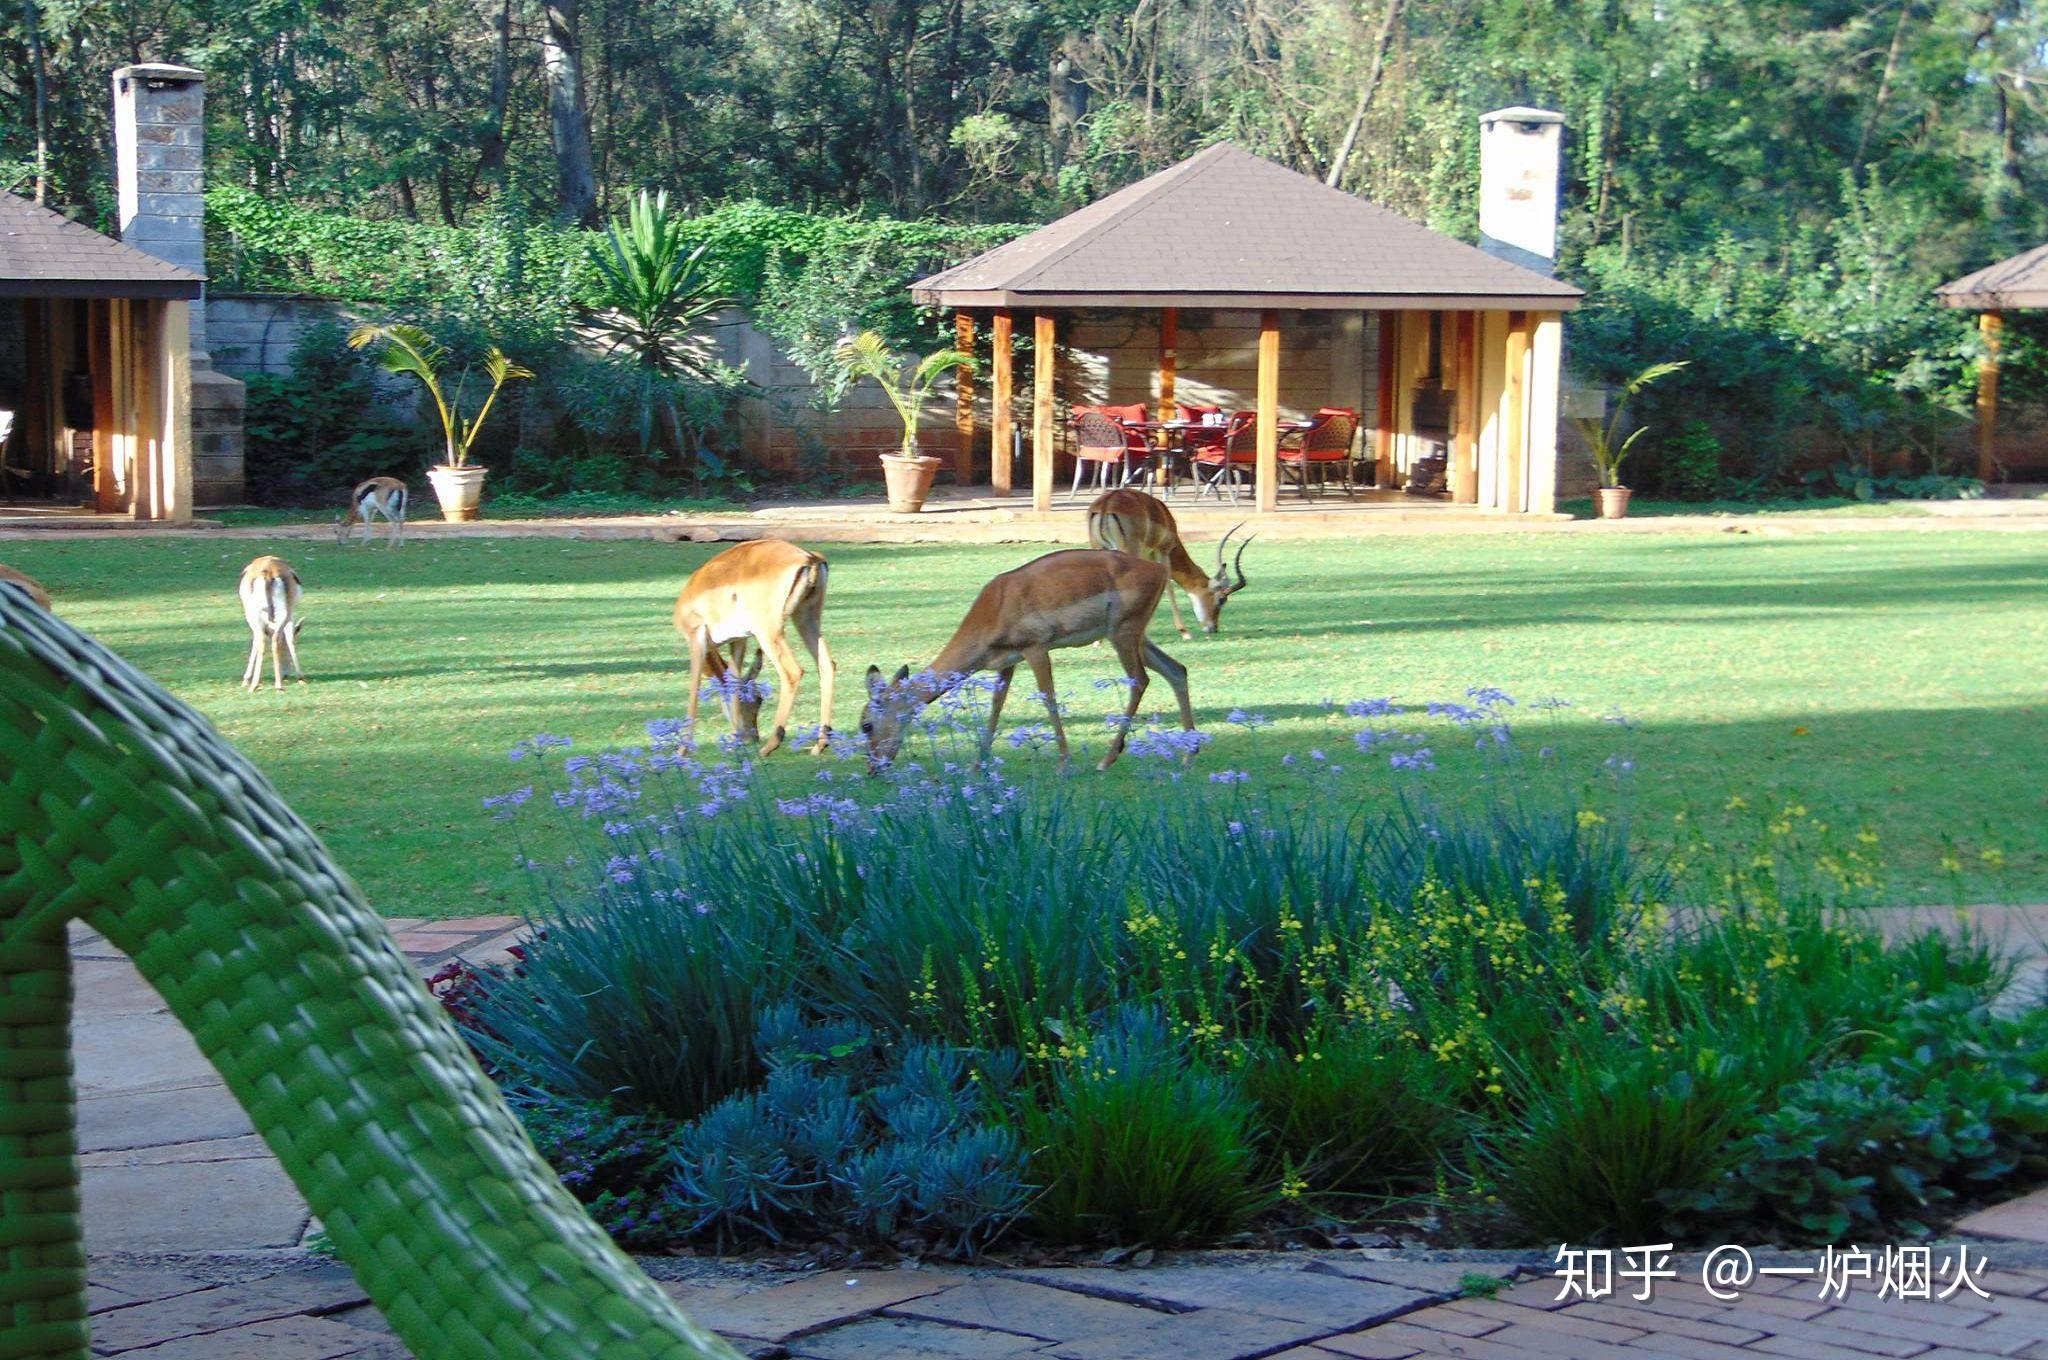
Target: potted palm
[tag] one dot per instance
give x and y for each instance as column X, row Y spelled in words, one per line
column 1609, row 446
column 458, row 483
column 907, row 471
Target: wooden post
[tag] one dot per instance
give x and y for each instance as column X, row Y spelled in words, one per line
column 1384, row 417
column 1045, row 340
column 171, row 346
column 963, row 401
column 1169, row 359
column 1990, row 326
column 1465, row 410
column 1514, row 423
column 1002, row 397
column 100, row 362
column 1267, row 479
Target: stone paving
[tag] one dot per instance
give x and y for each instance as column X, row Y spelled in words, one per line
column 197, row 1244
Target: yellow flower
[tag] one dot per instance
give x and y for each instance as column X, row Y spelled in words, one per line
column 1590, row 818
column 1736, row 802
column 1992, row 856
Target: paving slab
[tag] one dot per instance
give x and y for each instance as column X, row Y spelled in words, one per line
column 783, row 1311
column 1289, row 1293
column 1034, row 1310
column 192, row 1206
column 134, row 1052
column 193, row 1113
column 885, row 1337
column 2020, row 1220
column 1204, row 1334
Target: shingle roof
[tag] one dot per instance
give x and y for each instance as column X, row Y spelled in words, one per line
column 44, row 254
column 1227, row 228
column 2021, row 281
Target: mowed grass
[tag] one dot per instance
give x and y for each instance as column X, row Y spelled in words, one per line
column 1889, row 682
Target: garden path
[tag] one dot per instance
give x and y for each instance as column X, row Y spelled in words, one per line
column 197, row 1252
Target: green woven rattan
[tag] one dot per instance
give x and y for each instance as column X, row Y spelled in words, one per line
column 123, row 808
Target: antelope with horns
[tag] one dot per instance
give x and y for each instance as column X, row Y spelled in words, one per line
column 1130, row 521
column 384, row 496
column 1063, row 599
column 270, row 602
column 755, row 590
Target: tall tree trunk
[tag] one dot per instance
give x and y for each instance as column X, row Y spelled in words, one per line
column 1381, row 42
column 42, row 83
column 1884, row 92
column 491, row 145
column 561, row 55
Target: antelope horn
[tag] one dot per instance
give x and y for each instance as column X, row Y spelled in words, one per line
column 754, row 663
column 1224, row 544
column 1237, row 563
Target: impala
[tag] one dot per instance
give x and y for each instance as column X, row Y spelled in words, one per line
column 270, row 602
column 384, row 496
column 1131, row 521
column 26, row 582
column 1063, row 599
column 755, row 590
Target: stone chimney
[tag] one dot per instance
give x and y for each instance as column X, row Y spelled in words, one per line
column 1518, row 162
column 159, row 162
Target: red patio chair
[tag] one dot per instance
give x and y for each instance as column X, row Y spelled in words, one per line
column 1102, row 440
column 1238, row 447
column 1326, row 441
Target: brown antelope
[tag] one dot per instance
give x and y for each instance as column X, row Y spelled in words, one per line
column 1063, row 599
column 755, row 590
column 384, row 496
column 270, row 602
column 26, row 582
column 1130, row 521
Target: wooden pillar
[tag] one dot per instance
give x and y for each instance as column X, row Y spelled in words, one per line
column 171, row 356
column 106, row 484
column 1465, row 410
column 1384, row 415
column 1169, row 360
column 963, row 401
column 1990, row 326
column 1266, row 481
column 1514, row 416
column 1002, row 397
column 1546, row 396
column 1045, row 340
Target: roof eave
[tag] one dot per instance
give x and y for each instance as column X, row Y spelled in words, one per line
column 171, row 290
column 1565, row 300
column 2017, row 299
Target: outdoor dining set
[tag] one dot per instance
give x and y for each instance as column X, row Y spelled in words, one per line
column 1216, row 449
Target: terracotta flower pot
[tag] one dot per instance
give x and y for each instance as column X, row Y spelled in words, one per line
column 459, row 489
column 1612, row 501
column 909, row 477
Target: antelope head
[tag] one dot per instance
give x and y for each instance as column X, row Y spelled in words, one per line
column 1224, row 582
column 740, row 692
column 889, row 710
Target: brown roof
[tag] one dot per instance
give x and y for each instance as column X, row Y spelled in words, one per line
column 45, row 254
column 2021, row 281
column 1227, row 228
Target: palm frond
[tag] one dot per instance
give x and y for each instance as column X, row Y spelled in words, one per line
column 935, row 366
column 1652, row 373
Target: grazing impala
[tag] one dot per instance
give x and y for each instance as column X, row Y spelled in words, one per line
column 270, row 602
column 1131, row 521
column 1063, row 599
column 384, row 496
column 26, row 582
column 755, row 590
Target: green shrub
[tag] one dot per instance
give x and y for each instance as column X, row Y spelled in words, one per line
column 313, row 433
column 1135, row 1143
column 1358, row 1110
column 615, row 1164
column 1690, row 468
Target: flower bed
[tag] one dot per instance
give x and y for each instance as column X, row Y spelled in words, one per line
column 954, row 1006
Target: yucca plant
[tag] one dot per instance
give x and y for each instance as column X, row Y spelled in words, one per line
column 1602, row 435
column 656, row 294
column 867, row 355
column 411, row 350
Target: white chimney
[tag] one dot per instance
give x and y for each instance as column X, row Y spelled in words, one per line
column 1518, row 161
column 159, row 145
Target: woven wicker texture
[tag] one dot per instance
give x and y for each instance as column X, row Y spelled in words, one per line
column 124, row 808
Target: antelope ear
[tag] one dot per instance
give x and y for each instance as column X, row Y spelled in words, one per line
column 902, row 674
column 874, row 679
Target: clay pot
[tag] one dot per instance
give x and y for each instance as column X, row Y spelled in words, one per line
column 909, row 477
column 459, row 489
column 1612, row 501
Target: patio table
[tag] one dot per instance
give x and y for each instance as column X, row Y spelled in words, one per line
column 1179, row 441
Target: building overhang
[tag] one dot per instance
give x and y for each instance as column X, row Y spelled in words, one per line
column 986, row 298
column 175, row 290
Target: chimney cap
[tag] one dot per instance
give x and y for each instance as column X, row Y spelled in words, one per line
column 159, row 73
column 1520, row 113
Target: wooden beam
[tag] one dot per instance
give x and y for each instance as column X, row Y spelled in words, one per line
column 1045, row 341
column 1267, row 478
column 1991, row 327
column 1465, row 410
column 1383, row 414
column 963, row 401
column 1514, row 422
column 1169, row 360
column 1546, row 396
column 171, row 356
column 1002, row 397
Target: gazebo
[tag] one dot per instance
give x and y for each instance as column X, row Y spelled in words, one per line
column 97, row 373
column 2017, row 284
column 1228, row 275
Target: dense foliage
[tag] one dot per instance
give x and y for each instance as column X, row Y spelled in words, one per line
column 1228, row 1014
column 1766, row 188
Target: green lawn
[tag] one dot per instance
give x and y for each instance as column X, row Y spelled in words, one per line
column 1892, row 682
